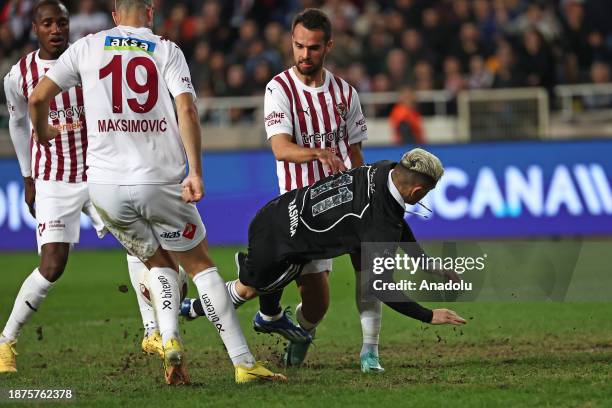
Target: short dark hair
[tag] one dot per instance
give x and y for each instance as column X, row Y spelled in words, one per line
column 314, row 19
column 43, row 3
column 129, row 4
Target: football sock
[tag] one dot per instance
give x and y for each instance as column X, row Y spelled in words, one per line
column 270, row 306
column 33, row 291
column 164, row 292
column 137, row 272
column 237, row 300
column 369, row 348
column 370, row 314
column 219, row 309
column 304, row 324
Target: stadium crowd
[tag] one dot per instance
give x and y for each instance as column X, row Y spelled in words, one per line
column 235, row 47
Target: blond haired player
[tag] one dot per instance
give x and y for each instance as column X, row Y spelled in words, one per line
column 137, row 169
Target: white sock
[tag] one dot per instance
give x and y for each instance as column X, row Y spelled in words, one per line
column 304, row 324
column 237, row 300
column 137, row 273
column 271, row 318
column 370, row 314
column 220, row 311
column 33, row 291
column 164, row 292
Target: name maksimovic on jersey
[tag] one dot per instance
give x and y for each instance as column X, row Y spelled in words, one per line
column 132, row 125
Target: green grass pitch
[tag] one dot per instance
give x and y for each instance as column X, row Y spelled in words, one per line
column 86, row 337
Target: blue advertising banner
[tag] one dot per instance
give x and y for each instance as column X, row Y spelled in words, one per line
column 496, row 190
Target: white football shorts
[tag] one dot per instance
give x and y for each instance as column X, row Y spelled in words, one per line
column 58, row 212
column 317, row 266
column 143, row 217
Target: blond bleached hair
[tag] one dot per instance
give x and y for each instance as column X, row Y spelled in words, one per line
column 423, row 162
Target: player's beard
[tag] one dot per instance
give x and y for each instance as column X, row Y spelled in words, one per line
column 309, row 71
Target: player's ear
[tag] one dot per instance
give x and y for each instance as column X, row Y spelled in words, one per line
column 150, row 11
column 329, row 46
column 35, row 28
column 116, row 17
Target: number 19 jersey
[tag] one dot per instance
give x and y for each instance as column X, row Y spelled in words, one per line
column 127, row 75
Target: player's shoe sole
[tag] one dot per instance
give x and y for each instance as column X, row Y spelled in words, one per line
column 256, row 373
column 174, row 363
column 370, row 364
column 152, row 344
column 8, row 363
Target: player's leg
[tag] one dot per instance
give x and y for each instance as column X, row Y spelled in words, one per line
column 124, row 212
column 370, row 316
column 151, row 342
column 58, row 215
column 313, row 285
column 190, row 249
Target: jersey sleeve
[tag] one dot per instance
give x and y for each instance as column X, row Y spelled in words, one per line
column 355, row 121
column 176, row 73
column 277, row 111
column 65, row 73
column 19, row 122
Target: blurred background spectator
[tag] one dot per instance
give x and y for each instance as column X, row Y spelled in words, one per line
column 405, row 120
column 235, row 47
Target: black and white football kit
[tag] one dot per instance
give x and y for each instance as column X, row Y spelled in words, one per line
column 329, row 218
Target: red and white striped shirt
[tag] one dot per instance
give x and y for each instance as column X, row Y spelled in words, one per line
column 65, row 158
column 325, row 117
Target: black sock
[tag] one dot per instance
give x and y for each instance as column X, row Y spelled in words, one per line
column 269, row 304
column 197, row 307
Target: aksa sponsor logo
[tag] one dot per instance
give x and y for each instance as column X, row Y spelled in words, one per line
column 128, row 44
column 189, row 231
column 170, row 234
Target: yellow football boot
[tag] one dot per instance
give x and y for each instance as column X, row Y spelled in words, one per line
column 255, row 373
column 7, row 357
column 174, row 363
column 152, row 344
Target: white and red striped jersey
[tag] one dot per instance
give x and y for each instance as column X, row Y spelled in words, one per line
column 64, row 159
column 325, row 117
column 129, row 76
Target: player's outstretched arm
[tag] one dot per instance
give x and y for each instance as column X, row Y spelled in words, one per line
column 190, row 131
column 285, row 150
column 39, row 110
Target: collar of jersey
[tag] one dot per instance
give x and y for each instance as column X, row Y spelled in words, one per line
column 123, row 27
column 310, row 88
column 395, row 192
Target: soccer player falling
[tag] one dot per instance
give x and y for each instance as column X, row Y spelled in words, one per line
column 55, row 178
column 331, row 218
column 137, row 168
column 315, row 126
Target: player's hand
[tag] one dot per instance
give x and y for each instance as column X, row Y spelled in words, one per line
column 49, row 134
column 328, row 158
column 192, row 189
column 446, row 316
column 30, row 194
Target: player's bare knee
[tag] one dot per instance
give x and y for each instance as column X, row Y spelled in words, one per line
column 53, row 260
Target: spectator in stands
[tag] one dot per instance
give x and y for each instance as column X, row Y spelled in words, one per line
column 412, row 43
column 506, row 73
column 480, row 77
column 405, row 120
column 381, row 83
column 536, row 60
column 600, row 74
column 576, row 32
column 89, row 19
column 453, row 78
column 397, row 68
column 467, row 45
column 434, row 32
